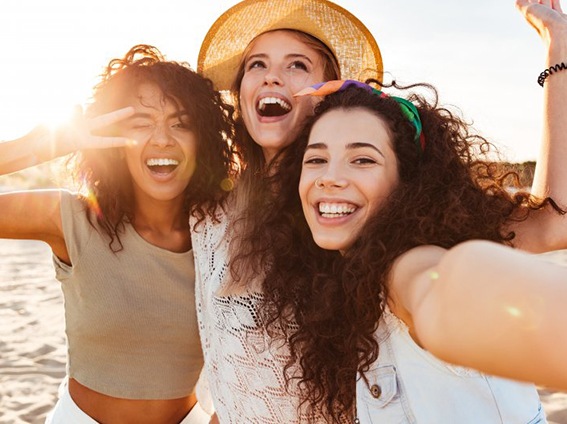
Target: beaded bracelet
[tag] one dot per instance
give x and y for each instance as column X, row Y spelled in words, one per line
column 555, row 68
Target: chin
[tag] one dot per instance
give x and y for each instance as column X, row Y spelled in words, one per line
column 331, row 244
column 273, row 143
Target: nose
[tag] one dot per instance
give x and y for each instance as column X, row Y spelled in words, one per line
column 162, row 137
column 332, row 178
column 272, row 78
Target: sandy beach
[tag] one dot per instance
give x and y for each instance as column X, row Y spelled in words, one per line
column 32, row 341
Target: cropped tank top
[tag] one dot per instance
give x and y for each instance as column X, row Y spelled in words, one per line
column 130, row 315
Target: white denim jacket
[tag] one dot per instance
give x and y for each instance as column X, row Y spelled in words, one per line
column 409, row 385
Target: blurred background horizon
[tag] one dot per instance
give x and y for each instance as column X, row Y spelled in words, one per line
column 482, row 56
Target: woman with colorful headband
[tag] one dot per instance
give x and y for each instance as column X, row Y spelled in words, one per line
column 121, row 245
column 398, row 248
column 274, row 48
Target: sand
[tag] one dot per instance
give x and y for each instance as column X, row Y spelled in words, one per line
column 32, row 340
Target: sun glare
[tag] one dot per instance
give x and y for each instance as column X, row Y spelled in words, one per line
column 513, row 311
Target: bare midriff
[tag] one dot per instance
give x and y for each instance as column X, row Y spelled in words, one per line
column 107, row 409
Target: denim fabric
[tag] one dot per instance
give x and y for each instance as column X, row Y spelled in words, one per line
column 408, row 385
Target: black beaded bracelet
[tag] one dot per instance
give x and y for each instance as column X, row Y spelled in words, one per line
column 555, row 68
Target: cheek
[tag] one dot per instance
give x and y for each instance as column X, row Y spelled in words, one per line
column 299, row 80
column 246, row 90
column 245, row 106
column 303, row 189
column 378, row 199
column 131, row 154
column 191, row 147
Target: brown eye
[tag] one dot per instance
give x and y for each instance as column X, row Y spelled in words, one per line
column 364, row 161
column 256, row 64
column 298, row 65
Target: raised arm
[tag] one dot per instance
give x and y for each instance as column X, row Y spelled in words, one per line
column 547, row 230
column 487, row 306
column 34, row 214
column 43, row 144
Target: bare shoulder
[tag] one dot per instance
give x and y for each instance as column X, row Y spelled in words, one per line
column 406, row 283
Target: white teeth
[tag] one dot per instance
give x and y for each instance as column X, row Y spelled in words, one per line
column 273, row 101
column 329, row 210
column 161, row 162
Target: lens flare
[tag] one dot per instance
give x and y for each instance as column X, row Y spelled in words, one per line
column 93, row 204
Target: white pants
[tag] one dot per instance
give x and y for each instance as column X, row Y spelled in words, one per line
column 66, row 411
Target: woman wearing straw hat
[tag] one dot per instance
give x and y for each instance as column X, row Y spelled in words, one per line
column 264, row 52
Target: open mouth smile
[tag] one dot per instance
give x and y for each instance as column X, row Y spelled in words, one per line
column 272, row 106
column 336, row 210
column 162, row 165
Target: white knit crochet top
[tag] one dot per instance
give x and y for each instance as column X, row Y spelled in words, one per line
column 244, row 372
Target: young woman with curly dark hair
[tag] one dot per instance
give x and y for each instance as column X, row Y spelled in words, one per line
column 151, row 150
column 398, row 255
column 393, row 201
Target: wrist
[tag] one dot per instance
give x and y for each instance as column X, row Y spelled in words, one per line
column 556, row 42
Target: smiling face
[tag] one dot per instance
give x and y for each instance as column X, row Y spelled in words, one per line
column 277, row 65
column 349, row 170
column 163, row 160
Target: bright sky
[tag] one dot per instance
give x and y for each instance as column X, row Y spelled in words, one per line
column 481, row 55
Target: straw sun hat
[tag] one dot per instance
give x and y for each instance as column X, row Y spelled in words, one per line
column 351, row 42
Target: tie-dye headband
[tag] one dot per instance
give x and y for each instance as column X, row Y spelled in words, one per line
column 408, row 108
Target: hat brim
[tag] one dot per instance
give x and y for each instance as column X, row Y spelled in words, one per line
column 348, row 38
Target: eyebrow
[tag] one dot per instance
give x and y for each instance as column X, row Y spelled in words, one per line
column 350, row 146
column 287, row 56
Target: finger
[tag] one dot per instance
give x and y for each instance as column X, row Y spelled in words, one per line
column 110, row 118
column 556, row 4
column 100, row 142
column 522, row 5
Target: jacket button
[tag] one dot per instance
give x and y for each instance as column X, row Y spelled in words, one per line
column 375, row 391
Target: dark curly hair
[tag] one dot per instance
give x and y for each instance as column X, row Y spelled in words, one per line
column 327, row 306
column 104, row 173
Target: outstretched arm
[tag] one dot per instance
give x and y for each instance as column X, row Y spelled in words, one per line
column 486, row 306
column 546, row 230
column 43, row 144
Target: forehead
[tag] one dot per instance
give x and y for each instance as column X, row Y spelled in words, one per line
column 341, row 127
column 149, row 95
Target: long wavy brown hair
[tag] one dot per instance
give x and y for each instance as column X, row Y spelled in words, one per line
column 252, row 194
column 327, row 307
column 104, row 174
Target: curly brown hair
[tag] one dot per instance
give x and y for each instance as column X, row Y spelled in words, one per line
column 327, row 306
column 104, row 174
